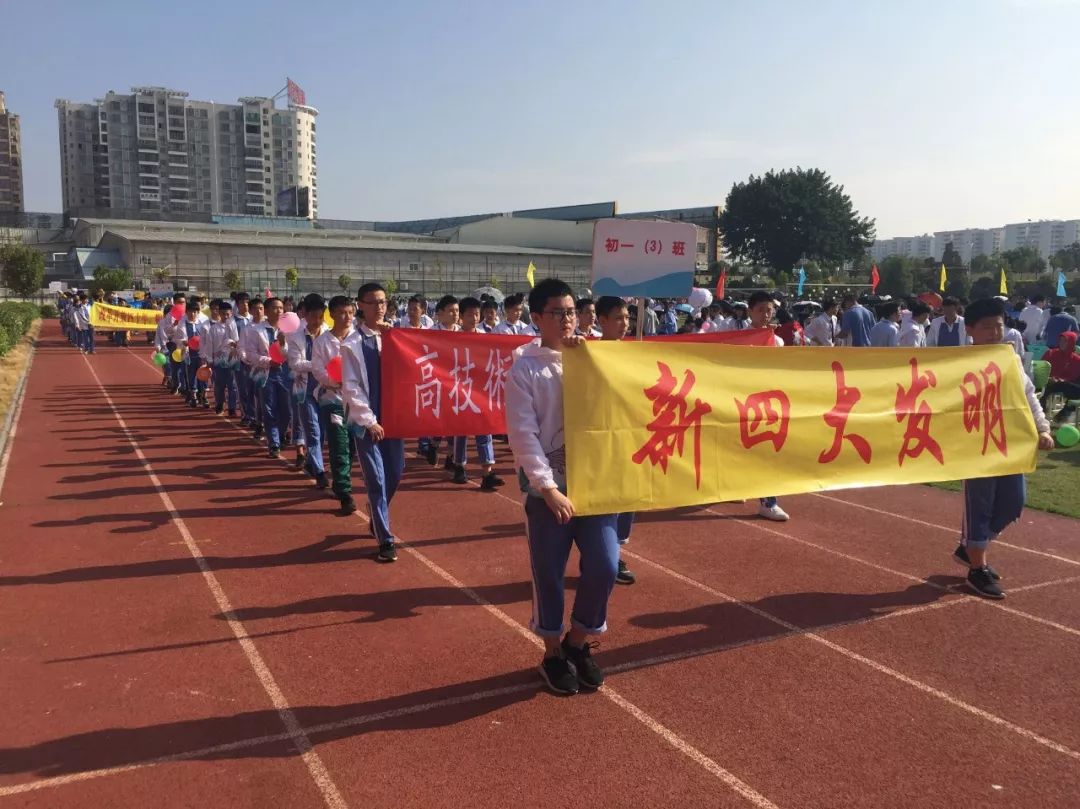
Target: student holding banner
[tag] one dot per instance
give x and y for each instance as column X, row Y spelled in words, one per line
column 382, row 459
column 534, row 421
column 762, row 307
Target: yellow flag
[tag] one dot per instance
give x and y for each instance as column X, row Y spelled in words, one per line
column 689, row 423
column 944, row 277
column 329, row 321
column 530, row 275
column 1004, row 284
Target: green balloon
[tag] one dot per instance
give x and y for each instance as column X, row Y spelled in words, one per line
column 159, row 359
column 1067, row 436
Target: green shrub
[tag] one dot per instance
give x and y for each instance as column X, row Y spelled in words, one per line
column 49, row 312
column 15, row 320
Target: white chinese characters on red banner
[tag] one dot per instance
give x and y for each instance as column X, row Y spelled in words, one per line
column 445, row 383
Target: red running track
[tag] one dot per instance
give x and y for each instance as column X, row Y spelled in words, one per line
column 186, row 622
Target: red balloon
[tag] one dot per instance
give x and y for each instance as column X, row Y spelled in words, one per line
column 194, row 342
column 276, row 354
column 333, row 370
column 178, row 311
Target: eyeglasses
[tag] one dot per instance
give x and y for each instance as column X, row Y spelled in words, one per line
column 562, row 314
column 380, row 302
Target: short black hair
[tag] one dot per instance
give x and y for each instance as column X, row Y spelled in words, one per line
column 314, row 301
column 920, row 308
column 849, row 297
column 215, row 303
column 514, row 300
column 418, row 299
column 271, row 299
column 761, row 296
column 949, row 300
column 828, row 303
column 465, row 304
column 583, row 302
column 370, row 286
column 444, row 301
column 544, row 291
column 489, row 303
column 608, row 304
column 256, row 302
column 241, row 296
column 1038, row 298
column 178, row 297
column 888, row 309
column 982, row 309
column 224, row 306
column 338, row 301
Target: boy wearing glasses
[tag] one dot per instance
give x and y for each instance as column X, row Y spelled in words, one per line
column 534, row 420
column 382, row 459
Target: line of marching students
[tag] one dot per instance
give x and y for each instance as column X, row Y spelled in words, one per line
column 322, row 384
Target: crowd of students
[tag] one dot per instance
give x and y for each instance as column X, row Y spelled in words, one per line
column 318, row 388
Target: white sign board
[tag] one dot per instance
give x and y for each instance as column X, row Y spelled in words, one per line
column 634, row 257
column 58, row 286
column 161, row 290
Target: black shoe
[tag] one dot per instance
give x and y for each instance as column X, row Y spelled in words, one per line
column 348, row 505
column 449, row 464
column 205, row 403
column 559, row 675
column 192, row 403
column 320, row 481
column 588, row 673
column 960, row 556
column 432, row 455
column 491, row 482
column 273, row 452
column 980, row 580
column 624, row 576
column 459, row 475
column 387, row 553
column 257, row 431
column 299, row 463
column 232, row 413
column 217, row 410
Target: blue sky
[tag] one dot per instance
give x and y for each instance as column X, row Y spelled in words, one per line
column 932, row 115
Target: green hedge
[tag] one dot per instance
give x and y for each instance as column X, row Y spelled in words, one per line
column 15, row 320
column 49, row 312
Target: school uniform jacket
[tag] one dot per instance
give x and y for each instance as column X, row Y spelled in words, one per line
column 933, row 334
column 219, row 342
column 355, row 386
column 324, row 349
column 534, row 417
column 296, row 350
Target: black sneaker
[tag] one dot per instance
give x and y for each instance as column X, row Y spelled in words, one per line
column 449, row 464
column 588, row 673
column 960, row 556
column 624, row 576
column 387, row 553
column 320, row 481
column 299, row 463
column 431, row 455
column 205, row 403
column 232, row 413
column 459, row 475
column 348, row 505
column 257, row 431
column 273, row 452
column 491, row 482
column 191, row 403
column 217, row 410
column 980, row 580
column 559, row 675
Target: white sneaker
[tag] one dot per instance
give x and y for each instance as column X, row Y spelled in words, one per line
column 774, row 513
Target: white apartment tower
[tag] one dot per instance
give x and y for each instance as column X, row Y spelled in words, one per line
column 156, row 154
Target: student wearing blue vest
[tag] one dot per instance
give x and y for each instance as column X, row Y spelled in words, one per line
column 275, row 393
column 949, row 329
column 301, row 345
column 242, row 320
column 188, row 328
column 382, row 459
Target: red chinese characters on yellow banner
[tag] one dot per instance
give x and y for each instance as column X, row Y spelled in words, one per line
column 651, row 426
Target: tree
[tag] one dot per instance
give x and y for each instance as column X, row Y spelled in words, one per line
column 959, row 284
column 897, row 276
column 391, row 286
column 344, row 281
column 160, row 274
column 985, row 287
column 1067, row 259
column 292, row 278
column 797, row 213
column 951, row 258
column 110, row 279
column 493, row 282
column 232, row 280
column 1024, row 261
column 23, row 269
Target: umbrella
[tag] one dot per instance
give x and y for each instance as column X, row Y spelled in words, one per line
column 684, row 307
column 491, row 292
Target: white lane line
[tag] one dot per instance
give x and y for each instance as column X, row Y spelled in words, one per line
column 951, row 529
column 865, row 563
column 11, row 423
column 311, row 758
column 680, row 744
column 866, row 661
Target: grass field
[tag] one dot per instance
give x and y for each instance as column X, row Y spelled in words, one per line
column 1054, row 486
column 11, row 368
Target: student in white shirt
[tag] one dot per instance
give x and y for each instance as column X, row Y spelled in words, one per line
column 183, row 335
column 272, row 376
column 161, row 340
column 886, row 332
column 242, row 319
column 762, row 308
column 326, row 347
column 489, row 316
column 301, row 346
column 382, row 459
column 586, row 317
column 947, row 330
column 249, row 349
column 534, row 420
column 913, row 330
column 513, row 324
column 219, row 351
column 1035, row 316
column 821, row 330
column 415, row 315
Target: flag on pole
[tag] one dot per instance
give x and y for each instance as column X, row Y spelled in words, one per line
column 296, row 95
column 721, row 283
column 1061, row 284
column 944, row 277
column 875, row 279
column 530, row 275
column 802, row 280
column 1004, row 287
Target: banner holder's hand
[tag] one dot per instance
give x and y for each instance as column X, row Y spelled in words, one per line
column 573, row 341
column 1046, row 441
column 560, row 505
column 376, row 432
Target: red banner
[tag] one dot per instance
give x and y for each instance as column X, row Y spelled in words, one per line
column 445, row 382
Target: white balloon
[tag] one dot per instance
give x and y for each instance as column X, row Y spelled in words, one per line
column 699, row 298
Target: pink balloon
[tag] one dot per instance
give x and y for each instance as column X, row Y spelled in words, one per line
column 289, row 322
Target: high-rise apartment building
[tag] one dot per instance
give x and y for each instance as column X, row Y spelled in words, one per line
column 1047, row 236
column 156, row 154
column 11, row 187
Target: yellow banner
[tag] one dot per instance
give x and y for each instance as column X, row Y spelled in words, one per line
column 123, row 318
column 652, row 425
